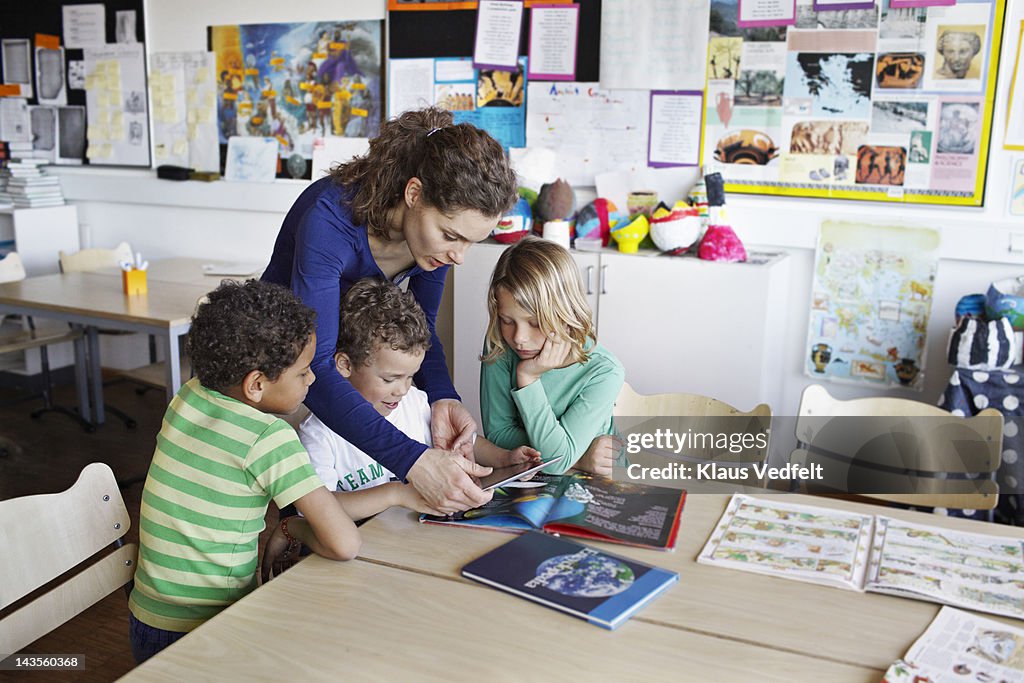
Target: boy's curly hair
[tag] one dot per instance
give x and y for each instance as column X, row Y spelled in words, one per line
column 376, row 312
column 241, row 327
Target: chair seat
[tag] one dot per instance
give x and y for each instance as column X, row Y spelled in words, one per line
column 30, row 339
column 154, row 374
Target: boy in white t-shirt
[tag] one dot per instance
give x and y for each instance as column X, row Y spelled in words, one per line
column 382, row 338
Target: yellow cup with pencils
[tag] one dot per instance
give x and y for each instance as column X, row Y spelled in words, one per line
column 133, row 276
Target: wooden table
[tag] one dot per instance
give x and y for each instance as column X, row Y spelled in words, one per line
column 403, row 612
column 96, row 300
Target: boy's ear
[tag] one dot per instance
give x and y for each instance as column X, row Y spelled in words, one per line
column 253, row 386
column 413, row 190
column 343, row 364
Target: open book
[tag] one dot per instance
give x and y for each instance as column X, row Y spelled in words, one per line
column 870, row 553
column 581, row 505
column 960, row 646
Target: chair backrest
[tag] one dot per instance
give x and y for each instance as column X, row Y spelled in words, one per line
column 95, row 259
column 43, row 536
column 682, row 413
column 11, row 268
column 901, row 451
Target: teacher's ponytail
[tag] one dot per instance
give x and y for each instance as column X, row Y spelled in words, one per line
column 459, row 165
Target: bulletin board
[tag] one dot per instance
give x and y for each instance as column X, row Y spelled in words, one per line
column 46, row 17
column 877, row 104
column 432, row 33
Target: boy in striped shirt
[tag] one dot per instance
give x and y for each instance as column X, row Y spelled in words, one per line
column 221, row 455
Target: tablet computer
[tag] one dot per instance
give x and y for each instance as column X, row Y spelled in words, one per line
column 504, row 475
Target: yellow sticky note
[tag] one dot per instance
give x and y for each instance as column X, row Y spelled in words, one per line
column 180, row 147
column 161, row 151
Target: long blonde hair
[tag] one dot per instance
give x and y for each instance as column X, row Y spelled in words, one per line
column 543, row 279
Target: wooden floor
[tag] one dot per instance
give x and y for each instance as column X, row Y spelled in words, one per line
column 46, row 457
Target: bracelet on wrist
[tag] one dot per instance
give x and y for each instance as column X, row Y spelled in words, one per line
column 284, row 529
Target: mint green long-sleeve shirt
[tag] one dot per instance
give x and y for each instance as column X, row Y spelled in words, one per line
column 559, row 414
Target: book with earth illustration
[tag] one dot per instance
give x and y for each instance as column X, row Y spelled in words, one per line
column 588, row 583
column 870, row 553
column 582, row 505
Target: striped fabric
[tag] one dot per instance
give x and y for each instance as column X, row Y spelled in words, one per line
column 980, row 345
column 217, row 464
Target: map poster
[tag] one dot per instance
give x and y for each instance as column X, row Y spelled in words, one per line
column 870, row 303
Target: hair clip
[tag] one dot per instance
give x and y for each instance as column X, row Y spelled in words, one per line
column 432, row 131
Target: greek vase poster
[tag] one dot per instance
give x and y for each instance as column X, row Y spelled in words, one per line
column 870, row 303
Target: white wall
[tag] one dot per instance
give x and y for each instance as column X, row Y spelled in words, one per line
column 240, row 221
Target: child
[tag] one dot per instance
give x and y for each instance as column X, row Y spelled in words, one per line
column 545, row 380
column 382, row 339
column 221, row 455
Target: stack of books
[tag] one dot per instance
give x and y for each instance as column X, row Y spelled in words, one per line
column 24, row 185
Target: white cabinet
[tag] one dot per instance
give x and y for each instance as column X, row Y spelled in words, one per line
column 677, row 324
column 37, row 235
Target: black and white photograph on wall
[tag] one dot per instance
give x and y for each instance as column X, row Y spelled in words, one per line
column 44, row 132
column 124, row 29
column 50, row 84
column 959, row 126
column 76, row 74
column 17, row 64
column 70, row 135
column 898, row 116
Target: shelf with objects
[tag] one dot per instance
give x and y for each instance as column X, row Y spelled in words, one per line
column 706, row 320
column 985, row 351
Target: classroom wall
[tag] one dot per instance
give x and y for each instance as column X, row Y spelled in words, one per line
column 240, row 221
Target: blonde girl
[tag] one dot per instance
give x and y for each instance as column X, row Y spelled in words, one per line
column 545, row 381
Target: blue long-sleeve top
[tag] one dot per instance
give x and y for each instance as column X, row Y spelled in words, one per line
column 320, row 253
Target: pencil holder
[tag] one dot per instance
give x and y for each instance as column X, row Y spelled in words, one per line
column 134, row 281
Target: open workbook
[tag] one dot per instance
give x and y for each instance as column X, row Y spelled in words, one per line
column 870, row 553
column 582, row 505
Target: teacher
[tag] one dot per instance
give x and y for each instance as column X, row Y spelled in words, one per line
column 406, row 210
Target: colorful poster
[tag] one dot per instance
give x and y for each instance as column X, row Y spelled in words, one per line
column 492, row 99
column 870, row 303
column 298, row 82
column 875, row 103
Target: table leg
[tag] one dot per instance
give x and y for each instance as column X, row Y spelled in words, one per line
column 92, row 335
column 82, row 378
column 173, row 365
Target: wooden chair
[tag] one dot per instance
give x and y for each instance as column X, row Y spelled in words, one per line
column 86, row 260
column 45, row 536
column 900, row 451
column 638, row 413
column 13, row 270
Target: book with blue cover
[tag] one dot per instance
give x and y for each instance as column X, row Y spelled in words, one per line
column 578, row 579
column 583, row 505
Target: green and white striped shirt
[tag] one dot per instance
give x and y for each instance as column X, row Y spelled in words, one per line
column 217, row 464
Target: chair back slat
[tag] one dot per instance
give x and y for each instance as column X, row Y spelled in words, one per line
column 902, row 447
column 95, row 259
column 68, row 599
column 43, row 536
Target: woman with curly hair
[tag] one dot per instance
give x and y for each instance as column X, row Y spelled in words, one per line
column 407, row 210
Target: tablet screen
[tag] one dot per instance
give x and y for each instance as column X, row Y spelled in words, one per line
column 503, row 475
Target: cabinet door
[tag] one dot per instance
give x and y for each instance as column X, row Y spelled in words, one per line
column 684, row 325
column 590, row 272
column 469, row 320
